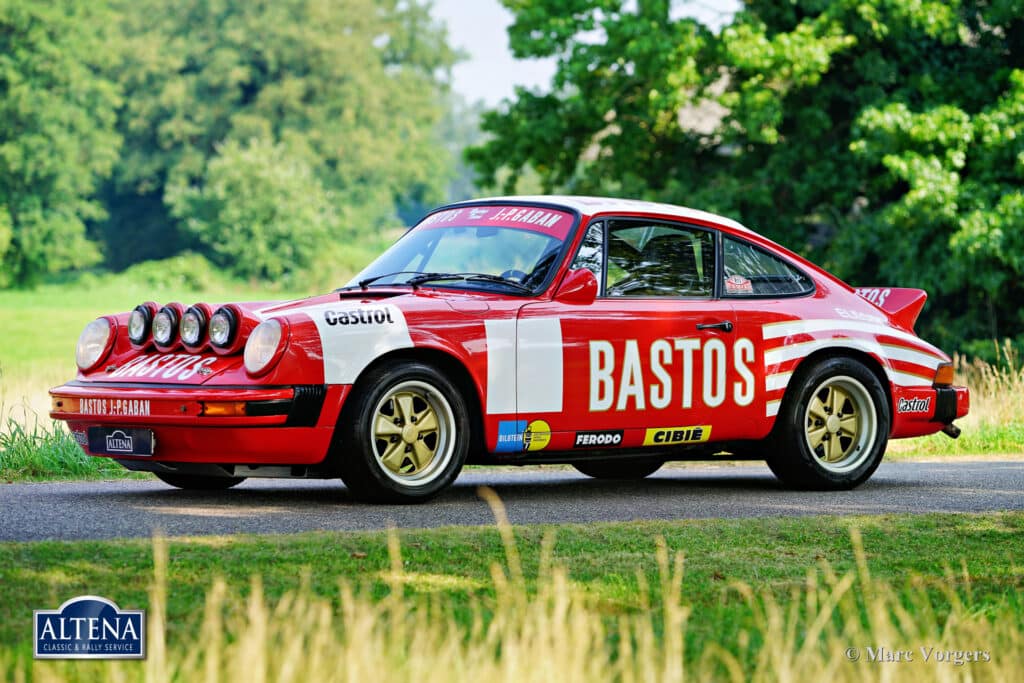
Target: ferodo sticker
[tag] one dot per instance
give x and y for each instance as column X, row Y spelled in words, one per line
column 673, row 436
column 607, row 437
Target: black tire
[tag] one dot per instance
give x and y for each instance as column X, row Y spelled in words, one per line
column 632, row 468
column 385, row 453
column 192, row 482
column 833, row 427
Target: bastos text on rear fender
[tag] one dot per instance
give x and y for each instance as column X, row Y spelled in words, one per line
column 614, row 335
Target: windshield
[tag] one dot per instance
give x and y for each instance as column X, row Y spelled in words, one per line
column 509, row 246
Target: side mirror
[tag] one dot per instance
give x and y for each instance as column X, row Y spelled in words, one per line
column 579, row 288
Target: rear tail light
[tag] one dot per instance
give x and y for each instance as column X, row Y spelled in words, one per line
column 944, row 375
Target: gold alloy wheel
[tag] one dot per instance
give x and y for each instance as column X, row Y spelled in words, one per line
column 413, row 429
column 840, row 423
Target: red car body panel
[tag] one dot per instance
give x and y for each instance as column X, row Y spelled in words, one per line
column 548, row 375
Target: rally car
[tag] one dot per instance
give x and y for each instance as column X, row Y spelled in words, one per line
column 614, row 335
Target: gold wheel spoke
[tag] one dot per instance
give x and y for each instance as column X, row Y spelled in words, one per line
column 815, row 436
column 848, row 426
column 421, row 454
column 385, row 427
column 836, row 399
column 394, row 455
column 834, row 449
column 817, row 410
column 404, row 404
column 426, row 421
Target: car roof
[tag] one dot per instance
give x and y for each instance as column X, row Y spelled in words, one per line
column 605, row 205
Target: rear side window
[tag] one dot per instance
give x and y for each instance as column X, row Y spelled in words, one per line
column 751, row 272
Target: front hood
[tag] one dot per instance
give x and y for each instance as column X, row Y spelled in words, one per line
column 357, row 307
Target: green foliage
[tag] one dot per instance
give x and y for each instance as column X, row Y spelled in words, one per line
column 57, row 136
column 346, row 97
column 260, row 211
column 882, row 138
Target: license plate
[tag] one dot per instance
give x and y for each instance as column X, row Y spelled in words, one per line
column 121, row 441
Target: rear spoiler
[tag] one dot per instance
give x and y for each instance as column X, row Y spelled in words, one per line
column 901, row 303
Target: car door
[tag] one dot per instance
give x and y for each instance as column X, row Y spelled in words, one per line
column 654, row 361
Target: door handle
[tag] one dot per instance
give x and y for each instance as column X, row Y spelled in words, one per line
column 724, row 326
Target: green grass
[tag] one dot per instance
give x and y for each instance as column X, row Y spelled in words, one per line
column 614, row 564
column 40, row 452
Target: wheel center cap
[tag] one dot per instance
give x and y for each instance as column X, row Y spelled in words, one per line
column 832, row 423
column 410, row 433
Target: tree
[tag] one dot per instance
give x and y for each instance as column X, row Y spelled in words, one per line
column 880, row 137
column 260, row 211
column 352, row 89
column 57, row 134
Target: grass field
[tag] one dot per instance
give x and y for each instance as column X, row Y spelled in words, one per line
column 766, row 599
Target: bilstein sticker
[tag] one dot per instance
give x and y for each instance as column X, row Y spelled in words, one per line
column 537, row 435
column 673, row 436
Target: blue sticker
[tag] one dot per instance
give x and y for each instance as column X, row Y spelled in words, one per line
column 89, row 627
column 510, row 436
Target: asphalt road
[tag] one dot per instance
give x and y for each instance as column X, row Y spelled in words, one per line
column 115, row 509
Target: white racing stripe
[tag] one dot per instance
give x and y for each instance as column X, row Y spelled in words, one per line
column 905, row 379
column 777, row 381
column 354, row 334
column 524, row 366
column 771, row 408
column 501, row 366
column 795, row 327
column 777, row 356
column 902, row 353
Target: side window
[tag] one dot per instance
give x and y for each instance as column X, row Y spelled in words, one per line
column 659, row 260
column 750, row 272
column 591, row 253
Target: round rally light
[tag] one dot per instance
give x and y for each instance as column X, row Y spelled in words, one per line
column 138, row 324
column 93, row 343
column 222, row 327
column 193, row 324
column 262, row 346
column 164, row 325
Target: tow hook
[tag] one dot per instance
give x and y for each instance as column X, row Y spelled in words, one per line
column 951, row 430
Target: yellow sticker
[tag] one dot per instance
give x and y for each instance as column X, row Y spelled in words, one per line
column 673, row 436
column 537, row 435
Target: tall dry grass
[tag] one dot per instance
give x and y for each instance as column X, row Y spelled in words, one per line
column 828, row 629
column 997, row 389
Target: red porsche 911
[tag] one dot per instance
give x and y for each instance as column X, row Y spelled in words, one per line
column 614, row 335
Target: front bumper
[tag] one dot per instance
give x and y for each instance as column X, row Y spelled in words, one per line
column 288, row 425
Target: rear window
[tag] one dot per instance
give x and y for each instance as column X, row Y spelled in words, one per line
column 752, row 272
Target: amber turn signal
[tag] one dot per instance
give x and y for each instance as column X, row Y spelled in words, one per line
column 223, row 409
column 944, row 375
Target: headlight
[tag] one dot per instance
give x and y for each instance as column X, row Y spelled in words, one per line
column 262, row 347
column 138, row 324
column 164, row 325
column 193, row 324
column 222, row 327
column 93, row 344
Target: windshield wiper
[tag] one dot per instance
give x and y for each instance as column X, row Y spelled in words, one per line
column 366, row 282
column 468, row 277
